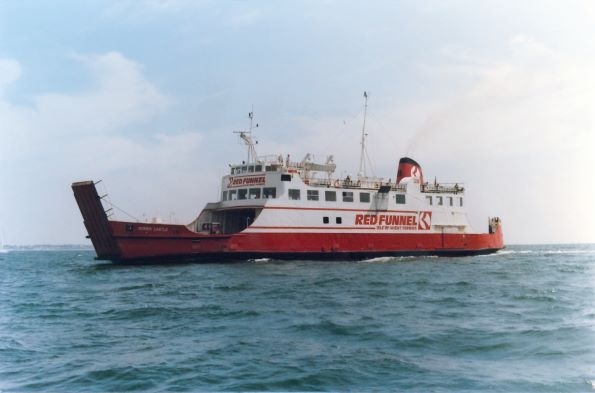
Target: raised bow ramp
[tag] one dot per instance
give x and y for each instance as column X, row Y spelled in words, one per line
column 95, row 220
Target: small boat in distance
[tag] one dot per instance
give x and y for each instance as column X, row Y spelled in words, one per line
column 273, row 207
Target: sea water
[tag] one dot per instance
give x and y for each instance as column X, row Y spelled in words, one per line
column 519, row 320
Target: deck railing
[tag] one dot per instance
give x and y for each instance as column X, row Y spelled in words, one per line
column 442, row 188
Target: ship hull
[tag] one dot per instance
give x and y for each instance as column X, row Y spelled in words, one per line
column 175, row 243
column 121, row 241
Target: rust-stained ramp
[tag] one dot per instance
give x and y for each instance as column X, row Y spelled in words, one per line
column 95, row 220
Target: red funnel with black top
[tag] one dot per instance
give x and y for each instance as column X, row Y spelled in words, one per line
column 409, row 168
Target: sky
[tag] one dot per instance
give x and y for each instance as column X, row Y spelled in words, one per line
column 144, row 95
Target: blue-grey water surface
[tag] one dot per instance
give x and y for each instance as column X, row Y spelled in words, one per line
column 522, row 320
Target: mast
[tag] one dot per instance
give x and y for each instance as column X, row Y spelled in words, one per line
column 248, row 140
column 362, row 158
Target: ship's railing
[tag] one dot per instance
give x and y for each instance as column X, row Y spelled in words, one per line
column 355, row 184
column 375, row 184
column 443, row 188
column 277, row 162
column 271, row 159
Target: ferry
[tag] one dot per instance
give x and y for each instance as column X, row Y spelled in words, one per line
column 277, row 208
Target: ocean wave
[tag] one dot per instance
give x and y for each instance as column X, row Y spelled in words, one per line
column 537, row 251
column 260, row 260
column 379, row 260
column 69, row 323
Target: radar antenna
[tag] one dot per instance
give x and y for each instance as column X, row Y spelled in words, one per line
column 250, row 142
column 363, row 154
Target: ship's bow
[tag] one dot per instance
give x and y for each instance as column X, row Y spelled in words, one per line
column 95, row 220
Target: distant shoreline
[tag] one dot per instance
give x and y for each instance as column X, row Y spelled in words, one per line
column 48, row 247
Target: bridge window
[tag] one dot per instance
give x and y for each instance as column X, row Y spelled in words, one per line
column 312, row 195
column 269, row 192
column 254, row 193
column 224, row 196
column 439, row 200
column 233, row 195
column 400, row 199
column 429, row 199
column 294, row 194
column 347, row 196
column 330, row 196
column 251, row 168
column 242, row 193
column 364, row 197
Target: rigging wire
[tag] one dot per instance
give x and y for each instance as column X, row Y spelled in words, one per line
column 121, row 210
column 105, row 198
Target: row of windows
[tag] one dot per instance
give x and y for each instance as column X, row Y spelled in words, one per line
column 441, row 202
column 236, row 170
column 249, row 193
column 331, row 196
column 295, row 194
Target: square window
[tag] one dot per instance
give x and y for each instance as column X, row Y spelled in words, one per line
column 269, row 192
column 294, row 194
column 338, row 220
column 347, row 196
column 254, row 193
column 400, row 199
column 330, row 196
column 325, row 220
column 312, row 195
column 364, row 197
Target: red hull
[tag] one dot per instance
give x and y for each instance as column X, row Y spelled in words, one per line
column 126, row 241
column 178, row 242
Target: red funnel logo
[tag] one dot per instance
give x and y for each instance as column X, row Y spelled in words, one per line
column 409, row 168
column 425, row 220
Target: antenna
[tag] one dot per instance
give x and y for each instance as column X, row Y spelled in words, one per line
column 248, row 140
column 362, row 158
column 251, row 116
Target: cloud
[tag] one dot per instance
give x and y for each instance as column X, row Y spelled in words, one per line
column 527, row 121
column 63, row 137
column 518, row 129
column 245, row 19
column 120, row 96
column 10, row 71
column 534, row 100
